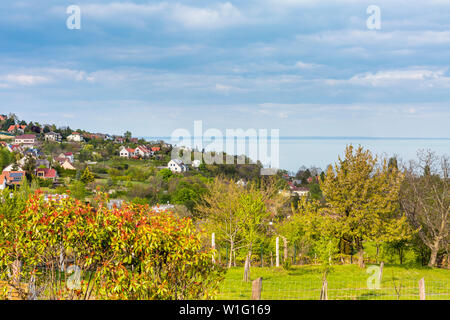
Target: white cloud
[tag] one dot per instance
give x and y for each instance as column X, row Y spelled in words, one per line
column 368, row 38
column 304, row 65
column 390, row 77
column 220, row 15
column 216, row 15
column 23, row 79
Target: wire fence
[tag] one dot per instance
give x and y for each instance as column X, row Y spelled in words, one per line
column 336, row 290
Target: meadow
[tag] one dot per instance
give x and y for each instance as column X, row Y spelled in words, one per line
column 345, row 282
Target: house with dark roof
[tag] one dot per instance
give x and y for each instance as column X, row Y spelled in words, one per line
column 176, row 165
column 25, row 140
column 53, row 136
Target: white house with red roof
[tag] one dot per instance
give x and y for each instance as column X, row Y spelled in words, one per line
column 17, row 128
column 142, row 151
column 127, row 152
column 75, row 137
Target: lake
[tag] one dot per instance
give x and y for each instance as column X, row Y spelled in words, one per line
column 295, row 152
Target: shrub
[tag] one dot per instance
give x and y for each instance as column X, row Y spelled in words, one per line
column 127, row 253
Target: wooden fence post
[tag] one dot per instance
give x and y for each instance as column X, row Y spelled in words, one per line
column 285, row 251
column 277, row 252
column 422, row 289
column 324, row 291
column 256, row 289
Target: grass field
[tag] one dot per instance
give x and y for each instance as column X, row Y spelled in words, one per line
column 344, row 282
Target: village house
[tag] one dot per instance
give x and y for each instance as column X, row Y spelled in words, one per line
column 46, row 173
column 13, row 167
column 36, row 153
column 176, row 165
column 17, row 128
column 65, row 163
column 42, row 163
column 14, row 148
column 75, row 137
column 25, row 140
column 142, row 152
column 119, row 139
column 11, row 178
column 300, row 191
column 127, row 152
column 53, row 136
column 67, row 155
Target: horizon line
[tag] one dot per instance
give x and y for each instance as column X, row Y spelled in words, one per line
column 323, row 137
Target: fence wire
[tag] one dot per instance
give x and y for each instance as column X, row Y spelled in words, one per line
column 336, row 290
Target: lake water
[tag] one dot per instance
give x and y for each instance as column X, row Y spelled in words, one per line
column 295, row 152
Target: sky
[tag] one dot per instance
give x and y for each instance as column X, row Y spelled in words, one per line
column 305, row 67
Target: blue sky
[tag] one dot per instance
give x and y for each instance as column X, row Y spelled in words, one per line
column 308, row 68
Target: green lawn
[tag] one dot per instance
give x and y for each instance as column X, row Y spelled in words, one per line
column 344, row 282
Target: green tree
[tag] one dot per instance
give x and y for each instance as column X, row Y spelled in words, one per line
column 363, row 198
column 127, row 135
column 87, row 176
column 78, row 190
column 28, row 166
column 165, row 174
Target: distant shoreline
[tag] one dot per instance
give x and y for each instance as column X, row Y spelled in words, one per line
column 167, row 138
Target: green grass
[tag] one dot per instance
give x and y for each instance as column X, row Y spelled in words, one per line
column 344, row 282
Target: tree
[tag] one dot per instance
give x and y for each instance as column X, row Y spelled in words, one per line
column 28, row 166
column 78, row 190
column 165, row 174
column 425, row 198
column 313, row 231
column 87, row 176
column 254, row 215
column 219, row 207
column 185, row 196
column 6, row 158
column 237, row 214
column 127, row 135
column 363, row 198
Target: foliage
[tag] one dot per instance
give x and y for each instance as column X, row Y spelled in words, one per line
column 425, row 197
column 131, row 253
column 363, row 199
column 87, row 176
column 6, row 158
